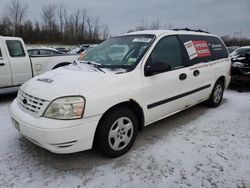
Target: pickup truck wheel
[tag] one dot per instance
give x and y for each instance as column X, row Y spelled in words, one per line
column 117, row 132
column 216, row 95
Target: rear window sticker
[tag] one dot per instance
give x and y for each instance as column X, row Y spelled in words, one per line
column 197, row 48
column 216, row 47
column 191, row 50
column 202, row 48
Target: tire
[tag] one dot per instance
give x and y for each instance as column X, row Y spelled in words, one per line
column 117, row 132
column 216, row 95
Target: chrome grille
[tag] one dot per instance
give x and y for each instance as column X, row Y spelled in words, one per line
column 30, row 104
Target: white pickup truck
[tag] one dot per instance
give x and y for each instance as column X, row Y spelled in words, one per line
column 16, row 66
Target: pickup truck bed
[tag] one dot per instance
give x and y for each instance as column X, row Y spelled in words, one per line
column 16, row 66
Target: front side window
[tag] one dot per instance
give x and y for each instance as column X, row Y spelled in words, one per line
column 1, row 53
column 33, row 52
column 15, row 48
column 168, row 50
column 123, row 51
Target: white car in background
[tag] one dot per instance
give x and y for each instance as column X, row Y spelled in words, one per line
column 43, row 51
column 105, row 102
column 17, row 66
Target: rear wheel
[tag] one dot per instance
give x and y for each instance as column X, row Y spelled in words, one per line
column 216, row 95
column 117, row 132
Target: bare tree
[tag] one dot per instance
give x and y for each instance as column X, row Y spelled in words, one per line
column 56, row 25
column 143, row 25
column 49, row 16
column 105, row 32
column 76, row 18
column 96, row 28
column 60, row 13
column 90, row 28
column 5, row 26
column 83, row 23
column 16, row 12
column 155, row 25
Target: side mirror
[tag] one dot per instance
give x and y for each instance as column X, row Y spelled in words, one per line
column 156, row 68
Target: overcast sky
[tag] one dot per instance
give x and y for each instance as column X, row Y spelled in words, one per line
column 217, row 16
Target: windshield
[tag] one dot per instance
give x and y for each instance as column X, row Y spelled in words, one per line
column 123, row 51
column 241, row 51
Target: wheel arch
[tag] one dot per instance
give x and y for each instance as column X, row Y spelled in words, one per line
column 223, row 79
column 133, row 106
column 60, row 65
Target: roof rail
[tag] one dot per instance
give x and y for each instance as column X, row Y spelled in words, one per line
column 187, row 29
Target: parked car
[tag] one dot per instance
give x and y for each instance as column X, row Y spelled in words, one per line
column 16, row 66
column 62, row 49
column 241, row 66
column 230, row 49
column 240, row 51
column 43, row 51
column 106, row 101
column 81, row 48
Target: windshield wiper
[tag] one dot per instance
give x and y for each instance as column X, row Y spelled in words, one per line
column 96, row 65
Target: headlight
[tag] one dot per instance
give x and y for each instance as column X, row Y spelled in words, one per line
column 66, row 108
column 238, row 64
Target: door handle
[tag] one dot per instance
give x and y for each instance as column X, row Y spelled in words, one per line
column 182, row 76
column 196, row 73
column 2, row 64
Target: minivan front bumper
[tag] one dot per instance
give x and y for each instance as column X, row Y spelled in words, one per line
column 57, row 136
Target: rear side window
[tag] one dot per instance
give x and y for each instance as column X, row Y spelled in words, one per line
column 15, row 48
column 203, row 48
column 1, row 53
column 46, row 52
column 33, row 52
column 217, row 48
column 168, row 50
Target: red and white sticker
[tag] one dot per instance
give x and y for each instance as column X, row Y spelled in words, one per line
column 197, row 48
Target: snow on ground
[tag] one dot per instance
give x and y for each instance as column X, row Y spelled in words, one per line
column 199, row 147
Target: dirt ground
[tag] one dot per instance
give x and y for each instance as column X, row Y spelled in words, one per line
column 199, row 147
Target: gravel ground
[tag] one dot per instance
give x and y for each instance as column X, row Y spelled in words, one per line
column 199, row 147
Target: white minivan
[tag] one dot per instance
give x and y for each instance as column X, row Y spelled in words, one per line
column 105, row 99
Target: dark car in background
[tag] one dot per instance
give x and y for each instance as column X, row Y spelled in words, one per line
column 232, row 48
column 240, row 51
column 241, row 65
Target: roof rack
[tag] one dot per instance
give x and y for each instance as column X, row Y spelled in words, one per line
column 187, row 29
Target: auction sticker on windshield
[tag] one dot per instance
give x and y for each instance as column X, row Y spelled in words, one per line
column 142, row 39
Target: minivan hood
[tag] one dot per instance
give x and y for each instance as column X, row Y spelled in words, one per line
column 66, row 81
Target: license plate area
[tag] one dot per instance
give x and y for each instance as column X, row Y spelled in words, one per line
column 16, row 124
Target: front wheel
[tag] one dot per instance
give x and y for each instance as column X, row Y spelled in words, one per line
column 216, row 95
column 117, row 132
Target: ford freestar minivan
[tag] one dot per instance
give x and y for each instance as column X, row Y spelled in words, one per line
column 122, row 85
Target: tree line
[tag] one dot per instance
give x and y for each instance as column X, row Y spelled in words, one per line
column 235, row 41
column 57, row 26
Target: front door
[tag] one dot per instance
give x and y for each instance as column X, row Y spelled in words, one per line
column 5, row 74
column 19, row 61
